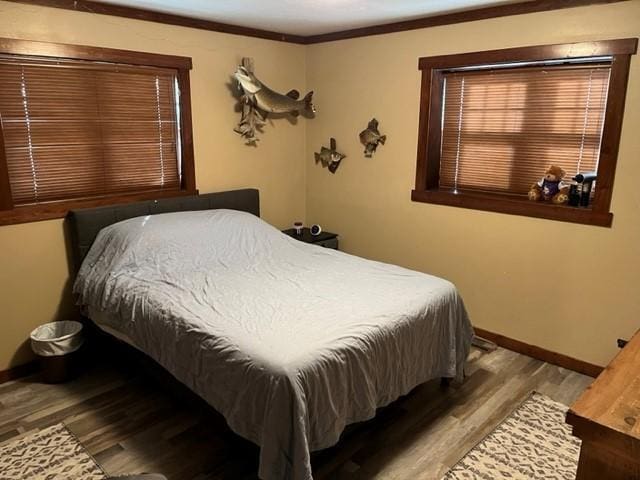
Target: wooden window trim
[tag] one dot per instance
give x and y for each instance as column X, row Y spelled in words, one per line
column 12, row 46
column 51, row 210
column 427, row 188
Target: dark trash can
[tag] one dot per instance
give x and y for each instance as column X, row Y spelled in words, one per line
column 57, row 344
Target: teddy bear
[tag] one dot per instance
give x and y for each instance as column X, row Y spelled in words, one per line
column 550, row 187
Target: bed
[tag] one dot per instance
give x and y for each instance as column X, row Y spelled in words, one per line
column 291, row 342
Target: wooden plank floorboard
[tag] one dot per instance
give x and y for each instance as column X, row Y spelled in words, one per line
column 131, row 422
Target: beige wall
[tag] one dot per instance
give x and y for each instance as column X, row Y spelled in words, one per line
column 513, row 272
column 521, row 277
column 33, row 271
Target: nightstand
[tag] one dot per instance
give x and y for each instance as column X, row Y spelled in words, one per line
column 325, row 239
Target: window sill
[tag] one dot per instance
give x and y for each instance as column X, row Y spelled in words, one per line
column 53, row 210
column 513, row 205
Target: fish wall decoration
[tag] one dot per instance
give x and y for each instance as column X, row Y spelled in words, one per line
column 269, row 101
column 252, row 121
column 329, row 157
column 258, row 101
column 370, row 137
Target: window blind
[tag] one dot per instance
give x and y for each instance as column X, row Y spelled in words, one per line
column 502, row 128
column 75, row 130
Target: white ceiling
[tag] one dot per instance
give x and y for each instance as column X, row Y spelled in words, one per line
column 307, row 17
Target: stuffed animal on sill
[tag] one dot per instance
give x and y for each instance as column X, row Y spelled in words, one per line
column 550, row 187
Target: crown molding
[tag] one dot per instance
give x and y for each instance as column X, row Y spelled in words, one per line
column 88, row 6
column 520, row 8
column 484, row 13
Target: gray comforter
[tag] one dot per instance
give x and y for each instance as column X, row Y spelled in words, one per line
column 289, row 341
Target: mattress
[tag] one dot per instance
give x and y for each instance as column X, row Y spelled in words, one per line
column 102, row 320
column 291, row 342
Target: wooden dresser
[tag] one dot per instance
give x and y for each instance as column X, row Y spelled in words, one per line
column 606, row 418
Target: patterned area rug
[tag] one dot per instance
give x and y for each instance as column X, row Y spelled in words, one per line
column 533, row 442
column 53, row 453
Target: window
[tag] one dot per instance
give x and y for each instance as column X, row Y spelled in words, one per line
column 492, row 122
column 89, row 127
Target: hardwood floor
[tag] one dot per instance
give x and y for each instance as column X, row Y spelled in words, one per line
column 133, row 422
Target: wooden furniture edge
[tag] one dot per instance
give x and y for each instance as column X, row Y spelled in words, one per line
column 540, row 353
column 597, row 432
column 604, row 419
column 19, row 371
column 579, row 415
column 484, row 13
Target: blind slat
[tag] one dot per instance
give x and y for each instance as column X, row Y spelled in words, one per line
column 79, row 132
column 502, row 129
column 46, row 133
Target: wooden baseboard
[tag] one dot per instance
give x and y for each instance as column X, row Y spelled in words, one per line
column 540, row 353
column 19, row 371
column 533, row 351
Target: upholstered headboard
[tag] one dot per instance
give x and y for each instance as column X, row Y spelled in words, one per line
column 85, row 224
